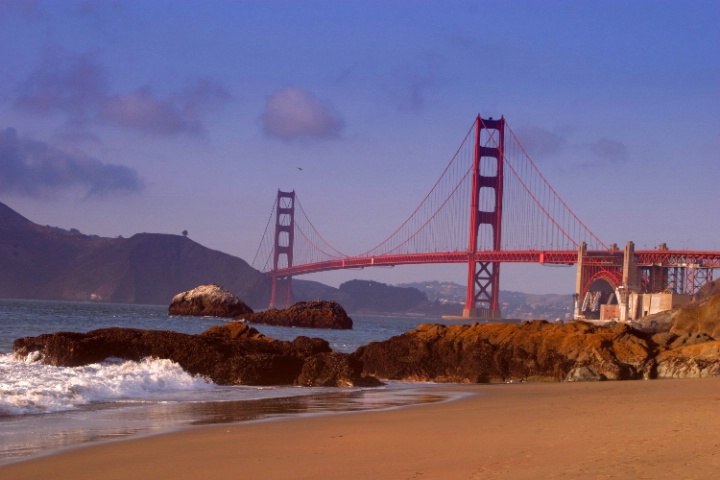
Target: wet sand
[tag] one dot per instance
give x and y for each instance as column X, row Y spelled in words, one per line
column 625, row 430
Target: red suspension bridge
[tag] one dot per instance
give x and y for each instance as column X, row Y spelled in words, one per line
column 491, row 205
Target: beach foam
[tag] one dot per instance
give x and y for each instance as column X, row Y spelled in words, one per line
column 29, row 387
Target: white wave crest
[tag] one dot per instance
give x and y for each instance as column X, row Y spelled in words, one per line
column 27, row 386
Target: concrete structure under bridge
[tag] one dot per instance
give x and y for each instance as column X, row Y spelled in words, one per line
column 628, row 285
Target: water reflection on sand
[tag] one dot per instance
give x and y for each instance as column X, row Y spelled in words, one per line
column 98, row 423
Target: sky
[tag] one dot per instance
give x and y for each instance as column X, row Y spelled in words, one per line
column 121, row 117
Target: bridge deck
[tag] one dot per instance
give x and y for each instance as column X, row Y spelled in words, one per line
column 662, row 258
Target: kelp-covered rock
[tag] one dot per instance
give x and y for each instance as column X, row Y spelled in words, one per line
column 232, row 354
column 208, row 301
column 314, row 314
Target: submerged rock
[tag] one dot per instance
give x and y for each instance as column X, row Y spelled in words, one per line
column 208, row 301
column 232, row 354
column 314, row 314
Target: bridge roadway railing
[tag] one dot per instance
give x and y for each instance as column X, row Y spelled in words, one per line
column 678, row 258
column 567, row 257
column 662, row 258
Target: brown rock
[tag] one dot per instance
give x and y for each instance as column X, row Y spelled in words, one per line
column 691, row 361
column 664, row 339
column 208, row 301
column 703, row 317
column 333, row 369
column 502, row 352
column 314, row 314
column 233, row 354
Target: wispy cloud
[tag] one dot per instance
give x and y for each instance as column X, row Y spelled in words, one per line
column 411, row 84
column 30, row 167
column 143, row 111
column 26, row 8
column 202, row 97
column 609, row 150
column 293, row 113
column 76, row 86
column 539, row 142
column 73, row 85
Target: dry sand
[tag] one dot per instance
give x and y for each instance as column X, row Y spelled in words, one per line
column 625, row 430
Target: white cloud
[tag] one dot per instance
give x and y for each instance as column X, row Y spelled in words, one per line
column 296, row 113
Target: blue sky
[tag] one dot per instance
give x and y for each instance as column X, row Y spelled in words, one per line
column 119, row 117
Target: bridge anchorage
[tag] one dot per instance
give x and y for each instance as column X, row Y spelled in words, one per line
column 628, row 285
column 492, row 205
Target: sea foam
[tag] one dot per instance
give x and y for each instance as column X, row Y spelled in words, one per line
column 30, row 387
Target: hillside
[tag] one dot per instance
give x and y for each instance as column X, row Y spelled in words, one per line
column 43, row 262
column 50, row 263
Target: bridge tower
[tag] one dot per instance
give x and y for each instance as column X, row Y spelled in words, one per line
column 283, row 249
column 486, row 202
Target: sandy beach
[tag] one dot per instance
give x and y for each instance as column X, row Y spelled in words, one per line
column 632, row 429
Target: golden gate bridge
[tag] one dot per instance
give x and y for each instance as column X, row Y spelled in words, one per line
column 490, row 205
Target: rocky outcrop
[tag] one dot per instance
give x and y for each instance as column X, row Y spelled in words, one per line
column 332, row 369
column 502, row 352
column 231, row 354
column 314, row 314
column 702, row 317
column 690, row 348
column 208, row 301
column 236, row 354
column 541, row 351
column 690, row 361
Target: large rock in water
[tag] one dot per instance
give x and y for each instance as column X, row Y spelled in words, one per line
column 208, row 301
column 231, row 354
column 314, row 314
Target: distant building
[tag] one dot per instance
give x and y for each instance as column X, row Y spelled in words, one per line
column 641, row 305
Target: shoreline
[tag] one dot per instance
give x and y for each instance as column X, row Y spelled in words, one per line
column 621, row 429
column 27, row 437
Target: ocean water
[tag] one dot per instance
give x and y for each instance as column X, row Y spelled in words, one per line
column 45, row 408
